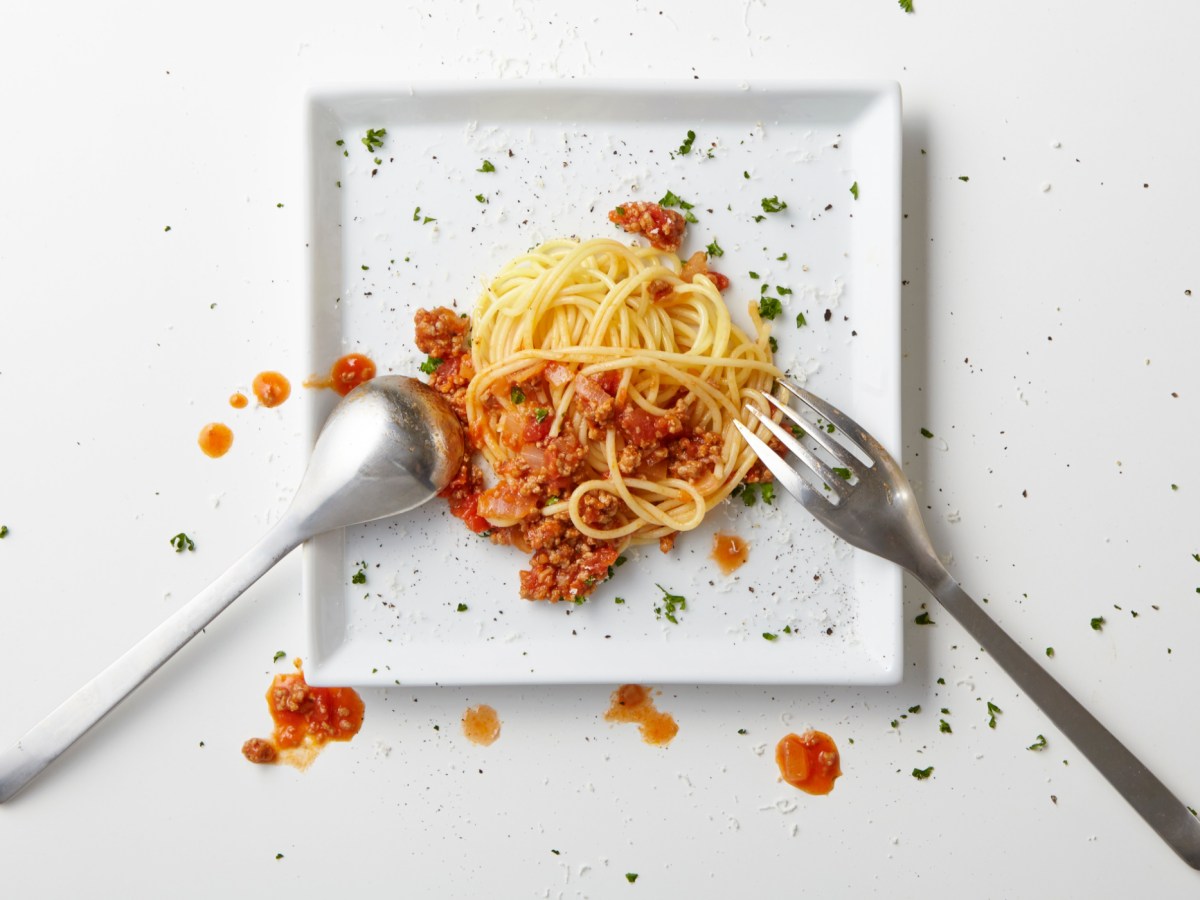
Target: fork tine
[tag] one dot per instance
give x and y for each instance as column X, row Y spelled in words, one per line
column 784, row 474
column 840, row 420
column 835, row 449
column 824, row 472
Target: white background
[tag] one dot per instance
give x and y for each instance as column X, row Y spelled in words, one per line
column 1045, row 332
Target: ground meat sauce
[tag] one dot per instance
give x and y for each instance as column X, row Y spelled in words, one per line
column 809, row 761
column 633, row 703
column 664, row 228
column 305, row 718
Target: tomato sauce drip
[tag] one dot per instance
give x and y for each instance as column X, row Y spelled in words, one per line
column 215, row 439
column 238, row 400
column 306, row 718
column 481, row 725
column 729, row 551
column 633, row 703
column 809, row 761
column 345, row 374
column 271, row 388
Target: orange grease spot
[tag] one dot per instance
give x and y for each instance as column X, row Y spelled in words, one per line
column 481, row 725
column 633, row 703
column 809, row 761
column 215, row 439
column 238, row 400
column 271, row 388
column 730, row 551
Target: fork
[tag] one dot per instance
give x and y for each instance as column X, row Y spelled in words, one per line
column 874, row 509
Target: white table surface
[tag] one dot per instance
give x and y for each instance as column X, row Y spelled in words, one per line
column 1047, row 332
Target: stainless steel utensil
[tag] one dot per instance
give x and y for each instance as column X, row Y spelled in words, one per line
column 874, row 509
column 390, row 444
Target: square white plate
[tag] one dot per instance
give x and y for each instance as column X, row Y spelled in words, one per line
column 564, row 155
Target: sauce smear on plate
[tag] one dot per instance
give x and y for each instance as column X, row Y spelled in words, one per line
column 306, row 718
column 271, row 388
column 730, row 551
column 346, row 374
column 633, row 703
column 215, row 439
column 481, row 725
column 238, row 400
column 809, row 761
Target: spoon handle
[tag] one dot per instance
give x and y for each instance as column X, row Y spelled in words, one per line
column 47, row 740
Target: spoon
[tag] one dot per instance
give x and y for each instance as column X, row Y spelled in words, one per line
column 391, row 444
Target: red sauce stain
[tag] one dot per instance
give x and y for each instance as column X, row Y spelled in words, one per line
column 633, row 703
column 306, row 718
column 730, row 551
column 809, row 761
column 238, row 400
column 346, row 374
column 215, row 439
column 271, row 388
column 481, row 725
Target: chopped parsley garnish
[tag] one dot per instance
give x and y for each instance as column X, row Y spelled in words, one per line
column 417, row 214
column 166, row 228
column 746, row 175
column 964, row 178
column 620, row 210
column 915, row 709
column 373, row 139
column 686, row 147
column 516, row 395
column 854, row 190
column 787, row 629
column 754, row 275
column 3, row 531
column 1050, row 652
column 993, row 711
column 741, row 731
column 180, row 542
column 430, row 365
column 1039, row 744
column 842, row 472
column 670, row 198
column 767, row 636
column 926, row 433
column 800, row 320
column 551, row 500
column 481, row 198
column 360, row 577
column 769, row 307
column 339, row 142
column 944, row 727
column 782, row 258
column 906, row 5
column 773, row 204
column 767, row 490
column 540, row 414
column 279, row 654
column 714, row 249
column 941, row 681
column 462, row 607
column 631, row 877
column 671, row 604
column 773, row 344
column 618, row 600
column 782, row 291
column 923, row 619
column 922, row 774
column 486, row 167
column 1098, row 623
column 759, row 218
column 621, row 560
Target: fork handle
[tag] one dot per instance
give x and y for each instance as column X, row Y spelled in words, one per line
column 1161, row 809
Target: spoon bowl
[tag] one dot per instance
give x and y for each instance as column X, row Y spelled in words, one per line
column 388, row 446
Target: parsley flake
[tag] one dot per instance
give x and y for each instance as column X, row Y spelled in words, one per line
column 993, row 711
column 486, row 167
column 618, row 600
column 686, row 147
column 540, row 414
column 481, row 198
column 462, row 607
column 944, row 727
column 1039, row 744
column 773, row 344
column 669, row 199
column 800, row 320
column 782, row 291
column 754, row 275
column 714, row 249
column 915, row 709
column 360, row 577
column 842, row 472
column 631, row 877
column 516, row 395
column 180, row 542
column 279, row 654
column 926, row 433
column 963, row 178
column 922, row 774
column 430, row 365
column 373, row 139
column 769, row 307
column 1098, row 623
column 767, row 636
column 671, row 604
column 907, row 6
column 773, row 204
column 3, row 531
column 923, row 619
column 1050, row 652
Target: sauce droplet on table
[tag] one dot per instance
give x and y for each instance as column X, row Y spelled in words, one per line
column 809, row 761
column 633, row 703
column 729, row 551
column 345, row 374
column 306, row 718
column 481, row 724
column 271, row 388
column 238, row 400
column 215, row 439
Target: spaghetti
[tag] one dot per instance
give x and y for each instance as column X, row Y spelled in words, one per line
column 600, row 382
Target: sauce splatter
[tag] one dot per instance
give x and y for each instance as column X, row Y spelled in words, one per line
column 346, row 374
column 809, row 761
column 306, row 718
column 271, row 388
column 481, row 725
column 633, row 703
column 730, row 551
column 238, row 400
column 215, row 439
